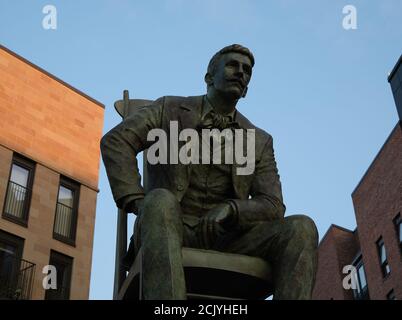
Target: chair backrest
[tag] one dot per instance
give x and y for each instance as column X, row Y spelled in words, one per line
column 133, row 104
column 124, row 108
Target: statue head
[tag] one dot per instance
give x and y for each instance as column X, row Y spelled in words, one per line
column 229, row 71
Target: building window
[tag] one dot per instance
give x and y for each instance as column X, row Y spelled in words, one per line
column 398, row 227
column 66, row 211
column 10, row 254
column 64, row 266
column 16, row 274
column 361, row 291
column 391, row 295
column 19, row 189
column 383, row 257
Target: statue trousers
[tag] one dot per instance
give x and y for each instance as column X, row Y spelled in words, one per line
column 288, row 244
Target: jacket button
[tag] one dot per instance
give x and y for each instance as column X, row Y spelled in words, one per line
column 180, row 187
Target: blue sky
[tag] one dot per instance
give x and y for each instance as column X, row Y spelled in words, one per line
column 321, row 91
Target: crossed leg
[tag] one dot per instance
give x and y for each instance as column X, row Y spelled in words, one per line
column 289, row 244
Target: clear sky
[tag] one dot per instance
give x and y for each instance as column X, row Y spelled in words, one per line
column 321, row 91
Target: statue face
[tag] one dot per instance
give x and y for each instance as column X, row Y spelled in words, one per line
column 232, row 75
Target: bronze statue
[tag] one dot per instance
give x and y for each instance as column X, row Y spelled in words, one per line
column 208, row 205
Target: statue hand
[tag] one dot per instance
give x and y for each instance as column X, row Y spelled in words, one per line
column 135, row 206
column 215, row 223
column 139, row 205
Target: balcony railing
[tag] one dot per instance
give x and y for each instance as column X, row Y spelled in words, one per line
column 16, row 202
column 16, row 278
column 63, row 225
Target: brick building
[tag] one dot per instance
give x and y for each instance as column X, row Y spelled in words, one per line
column 49, row 164
column 338, row 248
column 375, row 247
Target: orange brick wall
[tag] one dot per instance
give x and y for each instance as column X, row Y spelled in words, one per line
column 59, row 128
column 49, row 122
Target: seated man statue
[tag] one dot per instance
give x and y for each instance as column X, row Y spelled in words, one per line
column 207, row 205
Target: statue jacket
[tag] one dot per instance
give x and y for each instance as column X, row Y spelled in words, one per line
column 258, row 195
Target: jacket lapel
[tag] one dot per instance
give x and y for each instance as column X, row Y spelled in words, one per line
column 189, row 117
column 241, row 183
column 190, row 113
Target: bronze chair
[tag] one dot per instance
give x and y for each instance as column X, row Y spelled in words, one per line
column 230, row 276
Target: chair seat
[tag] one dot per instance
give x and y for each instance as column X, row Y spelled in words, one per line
column 214, row 275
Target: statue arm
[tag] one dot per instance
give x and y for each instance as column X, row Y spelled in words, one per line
column 120, row 147
column 266, row 202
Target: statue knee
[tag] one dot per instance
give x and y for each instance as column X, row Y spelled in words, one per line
column 159, row 194
column 304, row 228
column 161, row 202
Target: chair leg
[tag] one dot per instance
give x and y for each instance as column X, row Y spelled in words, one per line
column 140, row 294
column 121, row 248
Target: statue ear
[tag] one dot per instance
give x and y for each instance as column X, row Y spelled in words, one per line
column 208, row 79
column 244, row 92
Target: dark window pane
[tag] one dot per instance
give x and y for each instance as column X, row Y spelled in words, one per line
column 66, row 211
column 398, row 228
column 6, row 249
column 383, row 253
column 16, row 206
column 362, row 277
column 387, row 268
column 391, row 295
column 19, row 175
column 356, row 282
column 7, row 257
column 63, row 266
column 383, row 257
column 15, row 201
column 361, row 292
column 66, row 196
column 63, row 221
column 16, row 274
column 8, row 275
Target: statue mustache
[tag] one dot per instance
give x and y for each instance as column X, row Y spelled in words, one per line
column 240, row 81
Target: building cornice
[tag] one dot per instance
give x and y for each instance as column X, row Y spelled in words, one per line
column 51, row 76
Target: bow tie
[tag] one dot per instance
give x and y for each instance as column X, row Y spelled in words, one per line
column 214, row 120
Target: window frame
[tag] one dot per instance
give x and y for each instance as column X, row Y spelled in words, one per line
column 14, row 240
column 75, row 187
column 391, row 295
column 362, row 293
column 397, row 223
column 29, row 165
column 18, row 243
column 383, row 264
column 56, row 257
